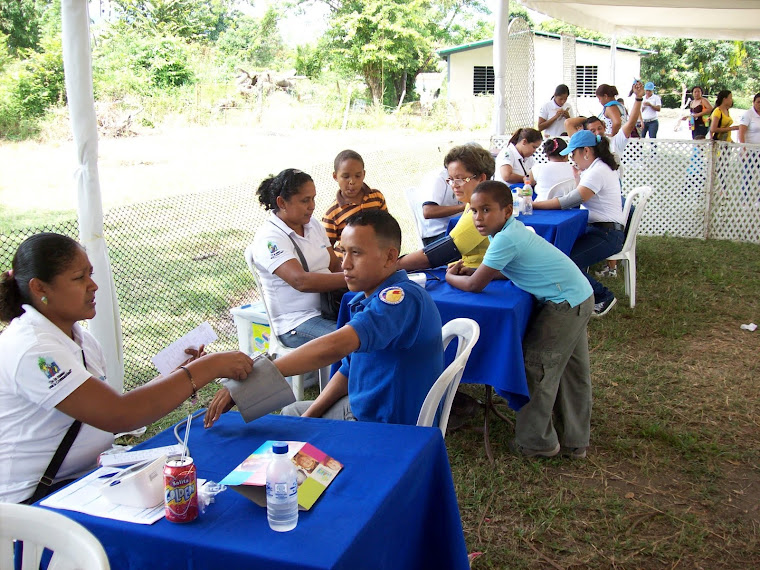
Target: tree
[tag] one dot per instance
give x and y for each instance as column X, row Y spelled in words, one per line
column 560, row 27
column 711, row 64
column 190, row 19
column 256, row 42
column 389, row 42
column 20, row 23
column 381, row 39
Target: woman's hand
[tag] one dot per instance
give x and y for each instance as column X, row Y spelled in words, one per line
column 195, row 354
column 221, row 404
column 234, row 364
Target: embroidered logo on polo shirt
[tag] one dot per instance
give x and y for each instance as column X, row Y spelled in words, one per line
column 52, row 371
column 274, row 251
column 392, row 295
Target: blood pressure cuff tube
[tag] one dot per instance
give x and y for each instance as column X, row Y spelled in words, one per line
column 264, row 391
column 570, row 200
column 442, row 251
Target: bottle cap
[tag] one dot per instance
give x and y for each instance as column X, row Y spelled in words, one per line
column 280, row 447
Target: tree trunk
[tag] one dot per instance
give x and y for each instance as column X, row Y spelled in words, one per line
column 403, row 92
column 372, row 78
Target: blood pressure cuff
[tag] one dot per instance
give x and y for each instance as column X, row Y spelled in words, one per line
column 570, row 200
column 442, row 251
column 262, row 392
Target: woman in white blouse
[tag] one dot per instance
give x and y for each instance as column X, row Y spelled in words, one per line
column 598, row 190
column 53, row 373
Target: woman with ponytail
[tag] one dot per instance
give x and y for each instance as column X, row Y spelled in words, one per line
column 598, row 191
column 514, row 161
column 57, row 412
column 292, row 289
column 558, row 169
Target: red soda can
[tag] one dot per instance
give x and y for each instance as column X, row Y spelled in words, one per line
column 181, row 490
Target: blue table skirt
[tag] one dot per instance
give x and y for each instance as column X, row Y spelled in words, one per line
column 502, row 310
column 559, row 227
column 392, row 506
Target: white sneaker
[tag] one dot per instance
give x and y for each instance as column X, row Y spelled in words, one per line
column 607, row 272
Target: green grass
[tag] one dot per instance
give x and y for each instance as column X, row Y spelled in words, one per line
column 672, row 478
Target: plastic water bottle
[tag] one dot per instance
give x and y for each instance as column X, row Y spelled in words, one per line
column 527, row 199
column 282, row 490
column 515, row 203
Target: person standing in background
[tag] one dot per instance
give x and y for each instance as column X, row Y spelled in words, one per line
column 749, row 124
column 551, row 117
column 699, row 114
column 721, row 123
column 649, row 109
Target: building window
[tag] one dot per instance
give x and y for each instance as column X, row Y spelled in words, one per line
column 482, row 79
column 586, row 78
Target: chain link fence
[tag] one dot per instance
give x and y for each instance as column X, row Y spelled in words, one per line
column 179, row 261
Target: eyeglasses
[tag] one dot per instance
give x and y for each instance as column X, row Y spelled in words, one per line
column 459, row 181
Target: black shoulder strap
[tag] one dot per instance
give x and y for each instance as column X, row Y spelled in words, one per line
column 46, row 481
column 295, row 245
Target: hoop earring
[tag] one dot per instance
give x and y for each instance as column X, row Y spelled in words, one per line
column 44, row 300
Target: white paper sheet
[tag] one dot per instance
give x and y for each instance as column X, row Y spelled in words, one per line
column 84, row 496
column 174, row 354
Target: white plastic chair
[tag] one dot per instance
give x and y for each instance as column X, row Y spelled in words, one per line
column 628, row 254
column 73, row 546
column 411, row 199
column 467, row 332
column 561, row 188
column 276, row 348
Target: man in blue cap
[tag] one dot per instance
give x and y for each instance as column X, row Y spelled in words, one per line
column 649, row 109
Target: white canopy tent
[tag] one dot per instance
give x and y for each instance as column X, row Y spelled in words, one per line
column 708, row 19
column 729, row 19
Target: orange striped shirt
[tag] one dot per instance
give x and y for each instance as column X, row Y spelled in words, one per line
column 340, row 210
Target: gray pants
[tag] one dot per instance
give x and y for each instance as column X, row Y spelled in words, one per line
column 557, row 368
column 340, row 410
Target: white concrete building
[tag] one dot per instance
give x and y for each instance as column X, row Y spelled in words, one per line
column 470, row 73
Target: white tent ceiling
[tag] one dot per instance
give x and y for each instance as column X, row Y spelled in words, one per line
column 709, row 19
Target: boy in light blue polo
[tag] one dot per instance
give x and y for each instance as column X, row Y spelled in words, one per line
column 555, row 346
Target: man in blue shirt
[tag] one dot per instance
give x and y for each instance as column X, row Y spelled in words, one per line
column 391, row 348
column 555, row 346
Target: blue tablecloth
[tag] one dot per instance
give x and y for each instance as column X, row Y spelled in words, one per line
column 502, row 310
column 392, row 506
column 560, row 227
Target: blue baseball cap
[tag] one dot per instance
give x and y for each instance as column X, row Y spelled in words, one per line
column 649, row 86
column 581, row 139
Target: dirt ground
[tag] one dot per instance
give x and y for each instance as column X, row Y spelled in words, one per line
column 179, row 160
column 176, row 161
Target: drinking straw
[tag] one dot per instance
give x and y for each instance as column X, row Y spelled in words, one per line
column 187, row 435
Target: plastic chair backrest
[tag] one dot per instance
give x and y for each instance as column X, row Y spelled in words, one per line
column 561, row 188
column 634, row 219
column 411, row 199
column 73, row 546
column 274, row 342
column 467, row 332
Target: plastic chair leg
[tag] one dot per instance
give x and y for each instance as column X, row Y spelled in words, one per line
column 296, row 383
column 324, row 377
column 631, row 280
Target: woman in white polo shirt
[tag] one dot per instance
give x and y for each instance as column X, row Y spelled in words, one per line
column 292, row 290
column 598, row 190
column 514, row 161
column 552, row 116
column 54, row 401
